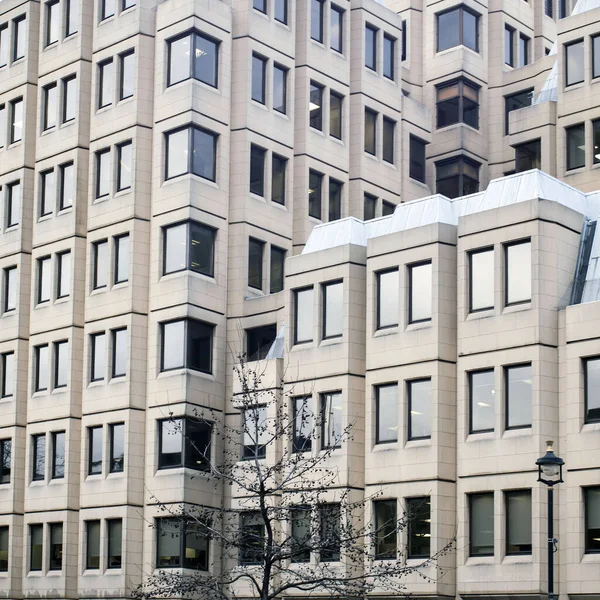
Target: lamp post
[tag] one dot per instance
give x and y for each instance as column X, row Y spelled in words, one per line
column 550, row 472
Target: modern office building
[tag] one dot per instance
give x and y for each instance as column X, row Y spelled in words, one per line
column 162, row 170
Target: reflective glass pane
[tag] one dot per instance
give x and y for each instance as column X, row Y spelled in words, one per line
column 387, row 413
column 257, row 170
column 42, row 371
column 58, row 454
column 574, row 63
column 388, row 284
column 67, row 186
column 3, row 46
column 315, row 184
column 103, row 173
column 50, row 99
column 316, row 20
column 179, row 59
column 255, row 432
column 93, row 545
column 14, row 204
column 482, row 401
column 575, row 146
column 44, row 290
column 196, row 548
column 117, row 447
column 98, row 356
column 173, row 349
column 119, row 352
column 8, row 371
column 419, row 426
column 95, row 449
column 469, row 30
column 303, row 424
column 389, row 47
column 178, row 153
column 518, row 273
column 481, row 284
column 202, row 242
column 70, row 99
column 386, row 529
column 277, row 269
column 592, row 390
column 335, row 199
column 19, row 38
column 370, row 131
column 48, row 191
column 121, row 259
column 115, row 535
column 333, row 318
column 168, row 542
column 61, row 366
column 419, row 527
column 592, row 520
column 481, row 525
column 301, row 533
column 107, row 83
column 205, row 60
column 336, row 28
column 315, row 106
column 370, row 47
column 125, row 158
column 335, row 115
column 53, row 23
column 331, row 420
column 39, row 457
column 304, row 315
column 127, row 75
column 204, row 154
column 448, row 29
column 280, row 11
column 171, row 443
column 258, row 78
column 421, row 292
column 279, row 89
column 175, row 248
column 100, row 264
column 518, row 396
column 518, row 519
column 72, row 25
column 37, row 548
column 10, row 290
column 108, row 8
column 278, row 170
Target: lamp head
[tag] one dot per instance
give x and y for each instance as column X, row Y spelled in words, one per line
column 550, row 466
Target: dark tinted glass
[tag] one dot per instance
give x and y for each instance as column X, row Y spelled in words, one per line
column 370, row 205
column 277, row 269
column 58, row 454
column 115, row 540
column 448, row 29
column 117, row 447
column 279, row 88
column 303, row 424
column 36, row 535
column 95, row 450
column 278, row 170
column 335, row 199
column 280, row 11
column 514, row 102
column 386, row 529
column 199, row 346
column 481, row 524
column 205, row 59
column 528, row 156
column 255, row 432
column 315, row 182
column 518, row 522
column 370, row 131
column 3, row 549
column 252, row 531
column 575, row 146
column 330, row 525
column 92, row 545
column 259, row 341
column 419, row 527
column 204, row 154
column 336, row 28
column 197, row 444
column 370, row 47
column 316, row 20
column 335, row 115
column 389, row 127
column 417, row 159
column 257, row 170
column 301, row 533
column 5, row 460
column 316, row 106
column 39, row 457
column 389, row 48
column 56, row 546
column 255, row 263
column 259, row 65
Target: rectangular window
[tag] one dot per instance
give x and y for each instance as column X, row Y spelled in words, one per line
column 19, row 33
column 280, row 11
column 528, row 156
column 192, row 55
column 124, row 165
column 252, row 531
column 277, row 269
column 457, row 177
column 386, row 529
column 100, row 254
column 55, row 533
column 3, row 47
column 259, row 341
column 36, row 537
column 187, row 343
column 370, row 131
column 278, row 173
column 61, row 364
column 331, row 420
column 98, row 359
column 419, row 409
column 518, row 396
column 335, row 199
column 10, row 289
column 257, row 170
column 63, row 279
column 255, row 432
column 419, row 527
column 591, row 497
column 404, row 39
column 260, row 5
column 184, row 442
column 103, row 173
column 256, row 250
column 119, row 352
column 8, row 374
column 280, row 88
column 191, row 150
column 417, row 168
column 3, row 549
column 189, row 245
column 5, row 460
column 48, row 192
column 518, row 522
column 509, row 45
column 303, row 424
column 481, row 524
column 181, row 544
column 457, row 102
column 2, row 125
column 524, row 44
column 420, row 284
column 389, row 57
column 126, row 74
column 95, row 450
column 41, row 368
column 316, row 20
column 259, row 71
column 369, row 207
column 69, row 103
column 330, row 516
column 595, row 56
column 115, row 542
column 116, row 432
column 387, row 208
column 574, row 65
column 481, row 279
column 591, row 373
column 517, row 272
column 13, row 210
column 575, row 146
column 388, row 286
column 300, row 517
column 386, row 397
column 58, row 454
column 336, row 28
column 457, row 26
column 38, row 461
column 303, row 315
column 596, row 136
column 389, row 128
column 67, row 186
column 106, row 83
column 335, row 115
column 316, row 106
column 315, row 194
column 72, row 17
column 371, row 47
column 549, row 8
column 50, row 105
column 92, row 554
column 482, row 393
column 333, row 310
column 514, row 102
column 121, row 266
column 52, row 22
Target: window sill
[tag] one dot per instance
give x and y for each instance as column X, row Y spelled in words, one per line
column 385, row 446
column 574, row 86
column 515, row 559
column 332, row 341
column 392, row 330
column 589, row 428
column 473, row 561
column 9, row 313
column 458, row 47
column 14, row 144
column 95, row 384
column 123, row 192
column 420, row 184
column 419, row 325
column 60, row 390
column 517, row 432
column 458, row 125
column 591, row 558
column 185, row 371
column 480, row 314
column 44, row 218
column 513, row 308
column 101, row 199
column 575, row 170
column 422, row 443
column 118, row 379
column 67, row 124
column 479, row 437
column 176, row 274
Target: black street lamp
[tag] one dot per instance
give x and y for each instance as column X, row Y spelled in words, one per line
column 550, row 472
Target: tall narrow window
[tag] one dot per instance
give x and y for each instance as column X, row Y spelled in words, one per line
column 124, row 165
column 575, row 146
column 420, row 283
column 115, row 541
column 121, row 267
column 333, row 309
column 191, row 150
column 189, row 245
column 389, row 57
column 386, row 397
column 335, row 199
column 331, row 420
column 574, row 64
column 50, row 105
column 518, row 522
column 303, row 315
column 10, row 289
column 69, row 106
column 388, row 286
column 386, row 529
column 187, row 343
column 370, row 131
column 277, row 269
column 103, row 174
column 260, row 5
column 107, row 9
column 55, row 533
column 3, row 549
column 13, row 209
column 94, row 450
column 591, row 372
column 300, row 518
column 278, row 173
column 63, row 275
column 419, row 409
column 371, row 47
column 119, row 352
column 303, row 424
column 518, row 396
column 481, row 524
column 257, row 170
column 52, row 22
column 3, row 49
column 417, row 165
column 16, row 120
column 335, row 115
column 41, row 368
column 98, row 359
column 336, row 28
column 8, row 369
column 255, row 432
column 389, row 128
column 596, row 139
column 419, row 527
column 38, row 461
column 126, row 74
column 61, row 364
column 316, row 20
column 36, row 550
column 72, row 17
column 256, row 250
column 316, row 106
column 315, row 194
column 117, row 447
column 58, row 454
column 509, row 45
column 280, row 88
column 5, row 460
column 92, row 555
column 518, row 272
column 481, row 393
column 259, row 70
column 524, row 44
column 2, row 125
column 481, row 279
column 329, row 532
column 67, row 186
column 47, row 192
column 252, row 530
column 19, row 33
column 549, row 8
column 100, row 255
column 591, row 496
column 404, row 39
column 280, row 11
column 369, row 206
column 106, row 83
column 595, row 56
column 193, row 55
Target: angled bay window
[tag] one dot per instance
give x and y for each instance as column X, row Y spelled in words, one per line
column 330, row 517
column 103, row 173
column 370, row 131
column 371, row 47
column 333, row 309
column 280, row 88
column 315, row 194
column 189, row 245
column 315, row 106
column 335, row 114
column 256, row 251
column 528, row 156
column 115, row 541
column 259, row 74
column 181, row 544
column 36, row 550
column 193, row 55
column 481, row 524
column 575, row 146
column 303, row 315
column 386, row 529
column 336, row 28
column 44, row 275
column 16, row 120
column 66, row 190
column 481, row 399
column 255, row 433
column 457, row 26
column 300, row 517
column 92, row 555
column 591, row 373
column 126, row 74
column 5, row 460
column 10, row 289
column 518, row 388
column 50, row 105
column 278, row 173
column 47, row 192
column 257, row 170
column 100, row 257
column 420, row 285
column 124, row 165
column 8, row 367
column 418, row 163
column 457, row 176
column 61, row 364
column 386, row 412
column 259, row 341
column 98, row 356
column 303, row 424
column 316, row 19
column 63, row 275
column 518, row 522
column 106, row 83
column 591, row 498
column 121, row 259
column 514, row 102
column 517, row 272
column 119, row 352
column 419, row 527
column 389, row 58
column 574, row 63
column 116, row 432
column 187, row 343
column 457, row 102
column 419, row 409
column 58, row 455
column 38, row 454
column 331, row 420
column 389, row 128
column 335, row 199
column 52, row 22
column 69, row 98
column 184, row 442
column 41, row 368
column 191, row 150
column 55, row 534
column 481, row 279
column 388, row 286
column 277, row 269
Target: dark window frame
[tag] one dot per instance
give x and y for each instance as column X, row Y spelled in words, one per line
column 378, row 279
column 61, row 184
column 335, row 444
column 3, row 358
column 470, row 384
column 109, row 540
column 321, row 20
column 88, row 555
column 182, row 546
column 461, row 82
column 37, row 527
column 378, row 537
column 35, row 474
column 47, row 33
column 53, row 472
column 260, row 271
column 340, row 12
column 306, row 445
column 113, row 335
column 411, row 524
column 585, row 362
column 375, row 115
column 374, row 30
column 120, row 187
column 95, row 245
column 528, row 91
column 93, row 337
column 122, row 56
column 4, row 529
column 65, row 87
column 44, row 212
column 470, row 497
column 15, row 37
column 192, row 33
column 507, row 494
column 265, row 63
column 46, row 115
column 378, row 441
column 59, row 275
column 5, row 448
column 568, row 130
column 98, row 155
column 284, row 70
column 295, row 293
column 112, row 461
column 37, row 387
column 470, row 254
column 11, row 123
column 101, row 80
column 319, row 177
column 566, row 53
column 595, row 40
column 56, row 345
column 117, row 241
column 282, row 252
column 461, row 8
column 190, row 166
column 186, row 361
column 90, row 450
column 391, row 40
column 186, row 444
column 505, row 248
column 410, row 268
column 409, row 393
column 189, row 224
column 6, row 273
column 511, row 49
column 586, row 546
column 506, row 369
column 324, row 287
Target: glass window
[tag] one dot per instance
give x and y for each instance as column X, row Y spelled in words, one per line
column 419, row 527
column 331, row 420
column 36, row 537
column 481, row 279
column 278, row 172
column 170, row 452
column 592, row 519
column 509, row 45
column 92, row 555
column 315, row 191
column 257, row 170
column 386, row 529
column 280, row 88
column 63, row 283
column 592, row 389
column 98, row 356
column 457, row 26
column 2, row 125
column 518, row 396
column 126, row 74
column 185, row 442
column 13, row 209
column 95, row 450
column 121, row 271
column 39, row 457
column 457, row 177
column 518, row 522
column 56, row 546
column 100, row 251
column 280, row 11
column 117, row 447
column 16, row 120
column 72, row 17
column 370, row 131
column 420, row 282
column 370, row 206
column 181, row 544
column 259, row 69
column 19, row 33
column 50, row 105
column 481, row 524
column 10, row 289
column 61, row 364
column 255, row 432
column 316, row 20
column 5, row 462
column 386, row 397
column 482, row 393
column 419, row 409
column 69, row 85
column 115, row 540
column 119, row 352
column 252, row 531
column 336, row 28
column 277, row 269
column 387, row 208
column 316, row 106
column 574, row 65
column 106, row 83
column 329, row 530
column 201, row 63
column 124, row 165
column 389, row 127
column 518, row 272
column 389, row 57
column 404, row 39
column 303, row 424
column 595, row 56
column 259, row 341
column 255, row 263
column 549, row 8
column 41, row 368
column 335, row 115
column 300, row 518
column 187, row 344
column 514, row 102
column 388, row 286
column 3, row 549
column 52, row 22
column 58, row 454
column 3, row 45
column 371, row 47
column 48, row 192
column 335, row 199
column 67, row 186
column 333, row 309
column 457, row 102
column 107, row 9
column 191, row 150
column 189, row 246
column 8, row 373
column 528, row 156
column 417, row 159
column 303, row 315
column 103, row 174
column 523, row 50
column 596, row 134
column 575, row 146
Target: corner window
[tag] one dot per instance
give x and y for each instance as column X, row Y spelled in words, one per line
column 386, row 412
column 591, row 497
column 58, row 455
column 330, row 516
column 5, row 460
column 457, row 26
column 456, row 177
column 457, row 102
column 481, row 279
column 92, row 554
column 386, row 529
column 518, row 522
column 252, row 531
column 574, row 63
column 389, row 128
column 417, row 168
column 259, row 341
column 8, row 374
column 255, row 432
column 370, row 131
column 187, row 343
column 333, row 310
column 280, row 88
column 509, row 45
column 389, row 57
column 41, row 368
column 315, row 194
column 316, row 20
column 517, row 272
column 482, row 394
column 38, row 461
column 191, row 150
column 100, row 256
column 277, row 269
column 98, row 358
column 419, row 527
column 514, row 102
column 259, row 71
column 10, row 289
column 36, row 540
column 481, row 524
column 335, row 115
column 371, row 47
column 114, row 543
column 184, row 442
column 106, row 83
column 316, row 106
column 189, row 245
column 331, row 420
column 336, row 28
column 518, row 396
column 55, row 533
column 528, row 156
column 419, row 409
column 256, row 249
column 61, row 364
column 181, row 544
column 303, row 315
column 388, row 288
column 257, row 170
column 192, row 56
column 575, row 146
column 278, row 173
column 117, row 447
column 119, row 352
column 95, row 450
column 303, row 424
column 591, row 374
column 420, row 284
column 335, row 199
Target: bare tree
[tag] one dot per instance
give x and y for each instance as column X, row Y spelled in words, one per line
column 280, row 535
